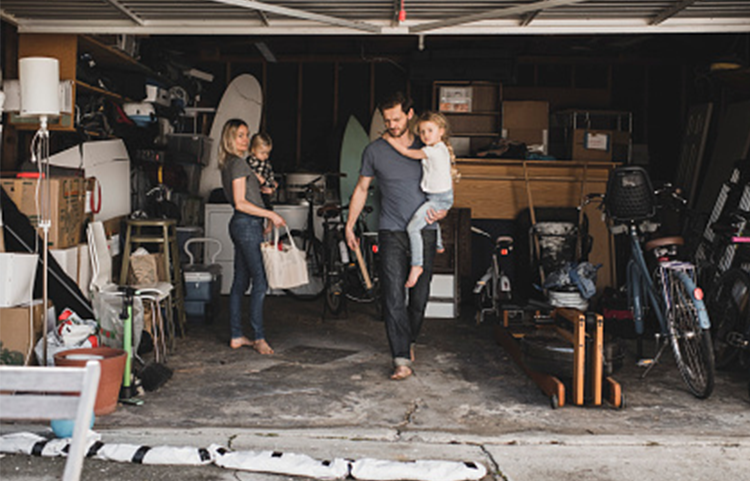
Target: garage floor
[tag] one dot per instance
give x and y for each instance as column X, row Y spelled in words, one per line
column 326, row 394
column 333, row 373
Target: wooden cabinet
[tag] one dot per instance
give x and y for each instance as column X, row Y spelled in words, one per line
column 473, row 109
column 501, row 189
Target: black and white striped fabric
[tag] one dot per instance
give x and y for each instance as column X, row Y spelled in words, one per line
column 275, row 462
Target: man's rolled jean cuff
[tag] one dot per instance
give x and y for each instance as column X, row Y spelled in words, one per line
column 401, row 361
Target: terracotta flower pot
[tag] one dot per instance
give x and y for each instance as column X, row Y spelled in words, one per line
column 112, row 362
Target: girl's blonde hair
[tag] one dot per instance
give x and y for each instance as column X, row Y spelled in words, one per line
column 228, row 134
column 261, row 138
column 439, row 119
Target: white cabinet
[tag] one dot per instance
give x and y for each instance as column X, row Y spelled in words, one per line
column 217, row 217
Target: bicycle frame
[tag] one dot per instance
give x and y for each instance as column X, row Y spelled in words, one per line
column 639, row 281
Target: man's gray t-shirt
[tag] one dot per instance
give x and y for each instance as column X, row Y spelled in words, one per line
column 235, row 168
column 398, row 179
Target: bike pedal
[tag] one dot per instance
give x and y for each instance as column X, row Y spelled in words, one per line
column 645, row 362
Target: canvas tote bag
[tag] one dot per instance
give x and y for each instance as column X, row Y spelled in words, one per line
column 286, row 266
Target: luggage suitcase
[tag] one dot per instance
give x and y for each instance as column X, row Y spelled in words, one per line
column 202, row 282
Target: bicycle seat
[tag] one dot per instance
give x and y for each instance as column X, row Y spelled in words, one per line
column 329, row 211
column 664, row 242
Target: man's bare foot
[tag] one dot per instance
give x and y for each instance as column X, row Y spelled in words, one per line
column 414, row 274
column 401, row 373
column 262, row 347
column 238, row 342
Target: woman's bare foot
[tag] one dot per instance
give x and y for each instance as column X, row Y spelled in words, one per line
column 262, row 347
column 401, row 373
column 238, row 342
column 414, row 274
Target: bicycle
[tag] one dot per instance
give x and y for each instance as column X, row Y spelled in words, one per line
column 670, row 291
column 729, row 300
column 493, row 288
column 343, row 277
column 312, row 247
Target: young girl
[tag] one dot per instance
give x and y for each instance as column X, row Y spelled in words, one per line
column 437, row 183
column 260, row 150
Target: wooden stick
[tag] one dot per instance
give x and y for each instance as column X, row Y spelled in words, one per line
column 579, row 237
column 532, row 214
column 363, row 268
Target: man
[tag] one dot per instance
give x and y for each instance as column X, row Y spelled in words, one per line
column 398, row 179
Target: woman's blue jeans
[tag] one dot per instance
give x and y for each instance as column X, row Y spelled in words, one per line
column 246, row 232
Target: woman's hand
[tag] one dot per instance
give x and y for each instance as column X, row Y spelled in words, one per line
column 277, row 220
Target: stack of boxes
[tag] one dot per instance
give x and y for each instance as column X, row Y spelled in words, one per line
column 22, row 317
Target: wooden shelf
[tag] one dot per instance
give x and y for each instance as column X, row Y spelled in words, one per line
column 90, row 88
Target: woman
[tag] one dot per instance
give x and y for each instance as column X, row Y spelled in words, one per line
column 242, row 188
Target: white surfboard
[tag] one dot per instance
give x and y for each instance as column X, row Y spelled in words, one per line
column 377, row 125
column 243, row 99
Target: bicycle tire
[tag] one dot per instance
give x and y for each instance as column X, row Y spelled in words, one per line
column 334, row 280
column 729, row 308
column 315, row 270
column 691, row 343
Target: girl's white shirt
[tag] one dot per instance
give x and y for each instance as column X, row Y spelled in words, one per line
column 436, row 169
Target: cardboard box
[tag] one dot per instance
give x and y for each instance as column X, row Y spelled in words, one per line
column 17, row 335
column 455, row 99
column 17, row 275
column 67, row 199
column 108, row 161
column 600, row 145
column 526, row 121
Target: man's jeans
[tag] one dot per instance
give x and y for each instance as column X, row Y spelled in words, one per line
column 403, row 321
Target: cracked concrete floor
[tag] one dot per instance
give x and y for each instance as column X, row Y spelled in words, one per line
column 326, row 393
column 333, row 373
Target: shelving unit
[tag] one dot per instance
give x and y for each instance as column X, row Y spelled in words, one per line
column 66, row 48
column 473, row 109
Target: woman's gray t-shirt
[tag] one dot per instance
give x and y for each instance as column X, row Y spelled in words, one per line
column 234, row 168
column 398, row 179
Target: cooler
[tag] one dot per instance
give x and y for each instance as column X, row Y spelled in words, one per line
column 202, row 282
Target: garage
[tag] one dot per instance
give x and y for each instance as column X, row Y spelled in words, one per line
column 545, row 103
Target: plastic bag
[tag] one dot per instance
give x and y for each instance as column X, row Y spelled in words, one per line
column 107, row 309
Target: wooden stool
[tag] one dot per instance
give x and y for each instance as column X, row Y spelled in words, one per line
column 162, row 232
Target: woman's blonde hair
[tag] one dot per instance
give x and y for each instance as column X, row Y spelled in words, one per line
column 228, row 134
column 438, row 119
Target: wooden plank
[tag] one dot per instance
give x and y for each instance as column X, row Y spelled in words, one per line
column 63, row 47
column 597, row 361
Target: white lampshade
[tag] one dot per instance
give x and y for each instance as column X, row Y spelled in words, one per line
column 40, row 91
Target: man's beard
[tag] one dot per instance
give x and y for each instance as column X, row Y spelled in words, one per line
column 397, row 133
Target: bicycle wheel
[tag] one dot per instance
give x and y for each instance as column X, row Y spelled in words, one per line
column 729, row 308
column 691, row 343
column 333, row 277
column 314, row 288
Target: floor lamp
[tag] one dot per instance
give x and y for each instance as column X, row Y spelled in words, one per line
column 40, row 97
